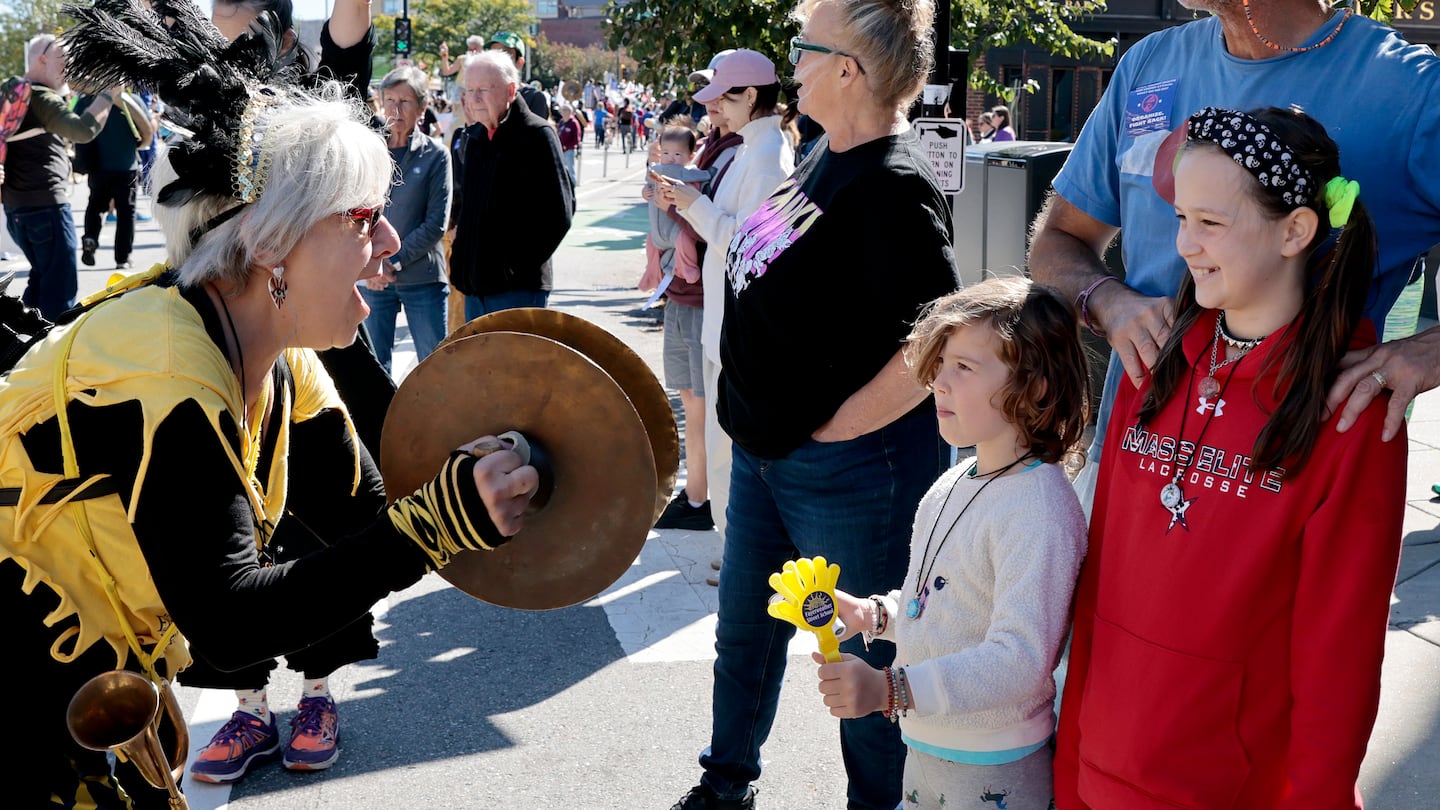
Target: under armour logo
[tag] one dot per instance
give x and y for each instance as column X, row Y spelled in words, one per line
column 1206, row 404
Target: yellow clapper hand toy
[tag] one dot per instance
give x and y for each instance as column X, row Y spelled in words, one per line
column 805, row 597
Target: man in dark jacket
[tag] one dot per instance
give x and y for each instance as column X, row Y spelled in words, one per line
column 113, row 165
column 514, row 199
column 37, row 177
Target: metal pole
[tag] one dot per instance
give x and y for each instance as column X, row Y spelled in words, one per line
column 937, row 87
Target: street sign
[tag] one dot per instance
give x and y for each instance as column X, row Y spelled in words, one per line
column 943, row 142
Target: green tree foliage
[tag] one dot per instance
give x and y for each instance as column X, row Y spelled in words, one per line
column 450, row 21
column 19, row 21
column 671, row 38
column 980, row 25
column 1385, row 10
column 558, row 61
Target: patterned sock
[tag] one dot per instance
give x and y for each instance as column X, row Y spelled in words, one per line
column 253, row 701
column 315, row 687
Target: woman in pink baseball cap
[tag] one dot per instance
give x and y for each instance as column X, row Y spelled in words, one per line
column 743, row 93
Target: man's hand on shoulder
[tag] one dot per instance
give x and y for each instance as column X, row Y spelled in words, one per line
column 1408, row 367
column 1136, row 325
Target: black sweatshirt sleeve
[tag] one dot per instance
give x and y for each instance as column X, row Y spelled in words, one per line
column 196, row 533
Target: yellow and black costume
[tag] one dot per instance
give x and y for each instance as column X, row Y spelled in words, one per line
column 150, row 414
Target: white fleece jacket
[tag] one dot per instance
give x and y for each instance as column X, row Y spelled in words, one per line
column 761, row 163
column 981, row 656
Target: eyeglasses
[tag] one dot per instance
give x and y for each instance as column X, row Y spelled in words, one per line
column 366, row 219
column 798, row 49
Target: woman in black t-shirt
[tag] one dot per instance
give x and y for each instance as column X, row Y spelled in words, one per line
column 834, row 444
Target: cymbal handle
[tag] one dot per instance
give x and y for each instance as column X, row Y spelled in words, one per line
column 530, row 453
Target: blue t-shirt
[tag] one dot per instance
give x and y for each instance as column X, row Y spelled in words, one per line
column 1375, row 93
column 599, row 118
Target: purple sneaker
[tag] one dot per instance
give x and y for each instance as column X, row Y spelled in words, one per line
column 314, row 736
column 242, row 743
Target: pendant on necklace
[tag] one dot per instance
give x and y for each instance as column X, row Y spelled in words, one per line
column 1171, row 496
column 1209, row 387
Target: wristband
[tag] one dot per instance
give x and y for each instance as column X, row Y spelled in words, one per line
column 1082, row 303
column 446, row 515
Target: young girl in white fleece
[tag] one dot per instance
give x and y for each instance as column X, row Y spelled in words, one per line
column 997, row 544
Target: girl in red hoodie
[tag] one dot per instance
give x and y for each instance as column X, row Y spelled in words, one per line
column 1230, row 617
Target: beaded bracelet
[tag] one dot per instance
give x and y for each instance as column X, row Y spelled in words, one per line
column 892, row 701
column 902, row 699
column 879, row 620
column 1082, row 303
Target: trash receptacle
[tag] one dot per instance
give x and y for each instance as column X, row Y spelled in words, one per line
column 1017, row 180
column 1005, row 185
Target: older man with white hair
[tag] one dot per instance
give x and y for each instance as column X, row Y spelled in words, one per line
column 514, row 198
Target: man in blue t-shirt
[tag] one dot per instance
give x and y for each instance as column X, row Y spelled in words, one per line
column 1287, row 52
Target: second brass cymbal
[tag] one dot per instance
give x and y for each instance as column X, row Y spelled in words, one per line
column 626, row 367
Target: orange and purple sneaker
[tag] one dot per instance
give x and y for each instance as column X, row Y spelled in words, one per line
column 314, row 736
column 242, row 743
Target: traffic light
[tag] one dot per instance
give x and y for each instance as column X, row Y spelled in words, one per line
column 402, row 36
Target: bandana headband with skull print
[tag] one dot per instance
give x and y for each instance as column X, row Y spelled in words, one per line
column 1256, row 149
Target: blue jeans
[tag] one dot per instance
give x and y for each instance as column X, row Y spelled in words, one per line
column 853, row 502
column 477, row 305
column 567, row 158
column 424, row 306
column 46, row 235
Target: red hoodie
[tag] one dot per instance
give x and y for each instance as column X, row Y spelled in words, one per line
column 1231, row 660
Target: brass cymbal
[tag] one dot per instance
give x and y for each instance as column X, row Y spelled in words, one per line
column 619, row 361
column 600, row 513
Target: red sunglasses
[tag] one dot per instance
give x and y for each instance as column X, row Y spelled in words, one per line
column 365, row 218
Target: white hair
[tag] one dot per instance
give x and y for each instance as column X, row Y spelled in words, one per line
column 474, row 41
column 499, row 60
column 323, row 160
column 410, row 76
column 37, row 46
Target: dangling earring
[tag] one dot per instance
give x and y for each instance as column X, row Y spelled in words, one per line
column 278, row 285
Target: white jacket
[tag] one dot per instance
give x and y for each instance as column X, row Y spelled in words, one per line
column 760, row 165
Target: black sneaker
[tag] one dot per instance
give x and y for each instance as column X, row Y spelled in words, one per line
column 679, row 514
column 88, row 247
column 701, row 797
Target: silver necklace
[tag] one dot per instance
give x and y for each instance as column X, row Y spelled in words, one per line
column 1209, row 386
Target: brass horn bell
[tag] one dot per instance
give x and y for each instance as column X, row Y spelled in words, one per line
column 585, row 399
column 125, row 711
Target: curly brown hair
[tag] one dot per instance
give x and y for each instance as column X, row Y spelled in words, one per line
column 1047, row 397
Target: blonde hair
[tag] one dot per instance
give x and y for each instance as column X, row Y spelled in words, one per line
column 893, row 40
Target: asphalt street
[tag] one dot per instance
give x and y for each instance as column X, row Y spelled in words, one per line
column 606, row 705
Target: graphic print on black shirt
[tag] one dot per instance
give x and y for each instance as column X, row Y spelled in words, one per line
column 776, row 225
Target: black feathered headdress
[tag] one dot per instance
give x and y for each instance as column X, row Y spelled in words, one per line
column 216, row 89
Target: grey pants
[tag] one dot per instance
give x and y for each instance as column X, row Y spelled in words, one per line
column 1026, row 784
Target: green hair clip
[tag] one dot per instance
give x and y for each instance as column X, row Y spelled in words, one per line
column 1340, row 197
